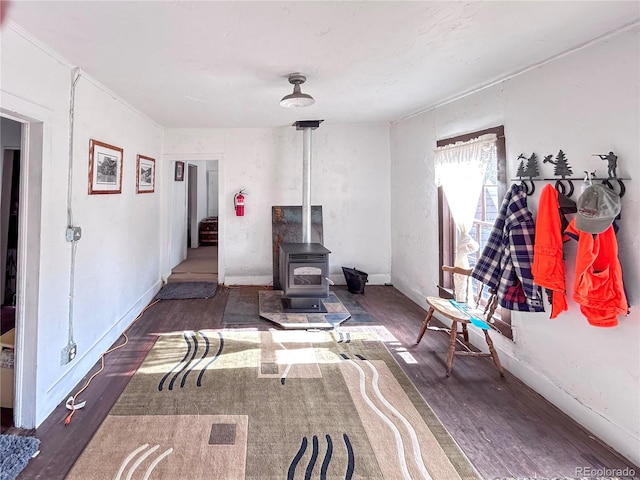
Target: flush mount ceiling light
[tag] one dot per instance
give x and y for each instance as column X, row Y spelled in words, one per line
column 297, row 98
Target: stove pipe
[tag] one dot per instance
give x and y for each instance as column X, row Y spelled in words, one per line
column 306, row 185
column 306, row 126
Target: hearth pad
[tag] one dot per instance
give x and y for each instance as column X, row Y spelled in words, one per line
column 271, row 309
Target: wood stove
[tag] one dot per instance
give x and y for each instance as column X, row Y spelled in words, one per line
column 304, row 271
column 304, row 267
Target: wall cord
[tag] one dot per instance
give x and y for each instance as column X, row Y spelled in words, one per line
column 71, row 402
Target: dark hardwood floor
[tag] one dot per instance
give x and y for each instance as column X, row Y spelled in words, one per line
column 506, row 429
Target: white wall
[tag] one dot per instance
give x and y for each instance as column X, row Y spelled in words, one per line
column 584, row 103
column 117, row 268
column 350, row 179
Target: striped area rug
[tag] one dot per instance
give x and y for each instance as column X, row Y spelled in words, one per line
column 246, row 404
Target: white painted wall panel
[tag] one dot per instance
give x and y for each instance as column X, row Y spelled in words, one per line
column 583, row 103
column 350, row 179
column 119, row 256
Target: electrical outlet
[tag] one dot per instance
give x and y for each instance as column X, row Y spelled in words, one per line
column 68, row 353
column 73, row 234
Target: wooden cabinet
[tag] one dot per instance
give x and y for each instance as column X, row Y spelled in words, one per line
column 208, row 230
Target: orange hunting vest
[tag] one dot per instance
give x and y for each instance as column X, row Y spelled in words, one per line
column 598, row 286
column 548, row 264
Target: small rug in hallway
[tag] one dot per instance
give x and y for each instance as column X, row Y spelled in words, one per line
column 237, row 404
column 186, row 290
column 15, row 453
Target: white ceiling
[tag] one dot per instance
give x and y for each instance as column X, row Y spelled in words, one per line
column 201, row 64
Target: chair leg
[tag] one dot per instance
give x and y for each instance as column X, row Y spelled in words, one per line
column 452, row 346
column 465, row 333
column 493, row 352
column 425, row 324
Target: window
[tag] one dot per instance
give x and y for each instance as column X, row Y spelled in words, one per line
column 492, row 193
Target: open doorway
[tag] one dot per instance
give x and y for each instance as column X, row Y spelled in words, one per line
column 9, row 215
column 21, row 194
column 202, row 191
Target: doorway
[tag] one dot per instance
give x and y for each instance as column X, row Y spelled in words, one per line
column 21, row 196
column 23, row 130
column 201, row 262
column 9, row 216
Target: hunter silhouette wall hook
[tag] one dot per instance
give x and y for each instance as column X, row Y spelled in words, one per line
column 612, row 164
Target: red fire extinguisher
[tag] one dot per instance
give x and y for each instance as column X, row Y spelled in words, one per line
column 238, row 203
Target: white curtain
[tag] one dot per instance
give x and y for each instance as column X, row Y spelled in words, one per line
column 460, row 170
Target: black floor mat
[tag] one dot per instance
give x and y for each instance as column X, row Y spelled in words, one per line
column 184, row 290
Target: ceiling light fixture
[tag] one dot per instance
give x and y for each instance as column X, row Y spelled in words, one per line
column 297, row 98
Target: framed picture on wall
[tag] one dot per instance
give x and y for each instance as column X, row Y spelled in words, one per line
column 105, row 168
column 179, row 174
column 146, row 175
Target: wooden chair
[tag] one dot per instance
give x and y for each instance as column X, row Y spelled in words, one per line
column 445, row 308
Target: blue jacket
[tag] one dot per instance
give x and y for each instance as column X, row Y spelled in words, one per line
column 506, row 260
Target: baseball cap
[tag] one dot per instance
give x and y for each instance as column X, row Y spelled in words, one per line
column 598, row 206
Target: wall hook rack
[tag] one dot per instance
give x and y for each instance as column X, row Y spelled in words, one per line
column 528, row 167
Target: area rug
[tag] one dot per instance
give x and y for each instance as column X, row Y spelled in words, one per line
column 186, row 290
column 271, row 405
column 15, row 453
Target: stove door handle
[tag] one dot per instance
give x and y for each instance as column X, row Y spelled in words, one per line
column 331, row 282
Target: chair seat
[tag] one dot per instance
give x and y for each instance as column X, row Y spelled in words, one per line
column 445, row 308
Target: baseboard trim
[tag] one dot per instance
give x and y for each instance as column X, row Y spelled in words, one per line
column 87, row 358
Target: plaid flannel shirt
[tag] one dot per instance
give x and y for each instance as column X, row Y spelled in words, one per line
column 505, row 263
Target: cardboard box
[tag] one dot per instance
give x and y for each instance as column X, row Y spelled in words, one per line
column 7, row 363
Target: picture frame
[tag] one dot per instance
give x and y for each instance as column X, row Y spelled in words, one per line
column 179, row 172
column 105, row 168
column 145, row 174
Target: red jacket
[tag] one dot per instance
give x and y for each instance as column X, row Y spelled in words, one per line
column 598, row 286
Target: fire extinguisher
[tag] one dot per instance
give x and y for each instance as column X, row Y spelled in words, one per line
column 238, row 203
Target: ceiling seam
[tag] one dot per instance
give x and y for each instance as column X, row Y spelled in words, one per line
column 572, row 50
column 66, row 63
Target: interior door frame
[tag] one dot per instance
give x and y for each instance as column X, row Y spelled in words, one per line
column 222, row 210
column 36, row 133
